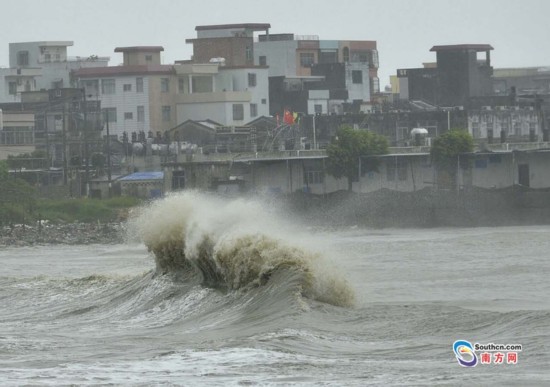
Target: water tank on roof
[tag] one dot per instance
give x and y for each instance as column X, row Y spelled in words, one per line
column 419, row 136
column 220, row 61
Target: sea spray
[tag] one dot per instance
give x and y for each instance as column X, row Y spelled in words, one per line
column 234, row 244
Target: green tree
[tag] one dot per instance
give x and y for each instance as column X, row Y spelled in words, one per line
column 446, row 151
column 17, row 197
column 346, row 148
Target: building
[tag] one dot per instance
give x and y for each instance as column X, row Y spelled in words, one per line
column 457, row 76
column 525, row 80
column 138, row 96
column 229, row 95
column 43, row 65
column 318, row 76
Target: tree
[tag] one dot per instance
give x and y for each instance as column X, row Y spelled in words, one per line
column 346, row 148
column 17, row 197
column 446, row 151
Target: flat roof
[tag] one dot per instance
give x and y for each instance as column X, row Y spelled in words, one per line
column 140, row 49
column 456, row 47
column 249, row 26
column 124, row 70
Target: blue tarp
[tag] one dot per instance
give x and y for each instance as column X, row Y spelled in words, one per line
column 143, row 176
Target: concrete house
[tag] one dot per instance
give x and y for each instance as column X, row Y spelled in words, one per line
column 318, row 76
column 231, row 96
column 137, row 96
column 41, row 65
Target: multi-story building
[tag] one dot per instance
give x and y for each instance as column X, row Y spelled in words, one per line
column 458, row 76
column 221, row 82
column 42, row 65
column 318, row 76
column 229, row 95
column 138, row 96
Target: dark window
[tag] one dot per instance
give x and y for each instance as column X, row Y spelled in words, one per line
column 357, row 76
column 127, row 87
column 164, row 85
column 166, row 113
column 307, row 59
column 346, row 54
column 238, row 112
column 110, row 113
column 128, row 116
column 263, row 60
column 253, row 110
column 139, row 85
column 12, row 88
column 251, row 79
column 23, row 58
column 318, row 108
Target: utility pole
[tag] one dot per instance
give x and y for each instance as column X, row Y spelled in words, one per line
column 64, row 140
column 86, row 146
column 108, row 153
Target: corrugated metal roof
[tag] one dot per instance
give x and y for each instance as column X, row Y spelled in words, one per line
column 139, row 176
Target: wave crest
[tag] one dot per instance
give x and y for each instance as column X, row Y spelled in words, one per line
column 220, row 240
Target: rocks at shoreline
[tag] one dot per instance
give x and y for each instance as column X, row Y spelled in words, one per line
column 68, row 233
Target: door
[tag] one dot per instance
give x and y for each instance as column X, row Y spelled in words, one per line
column 523, row 174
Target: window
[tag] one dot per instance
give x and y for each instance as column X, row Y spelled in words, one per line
column 307, row 59
column 128, row 116
column 164, row 85
column 253, row 110
column 57, row 57
column 47, row 58
column 141, row 114
column 318, row 108
column 357, row 76
column 148, row 58
column 263, row 60
column 313, row 177
column 375, row 58
column 264, row 101
column 139, row 85
column 181, row 85
column 107, row 86
column 12, row 88
column 249, row 54
column 127, row 87
column 166, row 112
column 251, row 79
column 238, row 112
column 109, row 113
column 346, row 54
column 375, row 85
column 23, row 58
column 202, row 84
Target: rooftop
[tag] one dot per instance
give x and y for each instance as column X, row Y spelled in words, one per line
column 248, row 26
column 124, row 70
column 458, row 47
column 140, row 49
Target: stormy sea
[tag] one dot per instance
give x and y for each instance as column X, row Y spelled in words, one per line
column 211, row 291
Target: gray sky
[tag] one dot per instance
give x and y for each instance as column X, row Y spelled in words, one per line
column 405, row 30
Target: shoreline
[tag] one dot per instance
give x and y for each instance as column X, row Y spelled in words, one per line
column 67, row 234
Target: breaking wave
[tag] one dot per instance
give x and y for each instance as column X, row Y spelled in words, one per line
column 235, row 245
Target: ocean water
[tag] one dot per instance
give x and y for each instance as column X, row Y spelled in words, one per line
column 214, row 292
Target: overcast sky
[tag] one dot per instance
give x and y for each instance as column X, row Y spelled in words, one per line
column 519, row 30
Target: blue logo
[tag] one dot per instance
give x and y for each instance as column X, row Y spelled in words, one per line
column 464, row 353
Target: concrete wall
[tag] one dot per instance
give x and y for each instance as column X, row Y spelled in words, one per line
column 280, row 56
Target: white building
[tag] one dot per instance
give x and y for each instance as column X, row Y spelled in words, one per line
column 41, row 66
column 137, row 96
column 231, row 96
